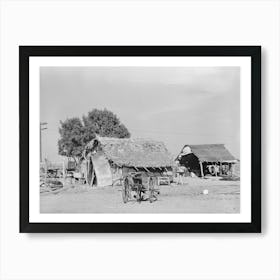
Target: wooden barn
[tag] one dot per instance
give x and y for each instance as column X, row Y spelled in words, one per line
column 108, row 159
column 208, row 159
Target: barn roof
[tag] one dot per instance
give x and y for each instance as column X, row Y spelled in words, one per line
column 212, row 152
column 132, row 152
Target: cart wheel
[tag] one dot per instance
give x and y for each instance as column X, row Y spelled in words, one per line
column 125, row 190
column 151, row 190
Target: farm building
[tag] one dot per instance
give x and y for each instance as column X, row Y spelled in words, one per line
column 108, row 159
column 209, row 159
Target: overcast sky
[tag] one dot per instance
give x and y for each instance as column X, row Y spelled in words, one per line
column 177, row 105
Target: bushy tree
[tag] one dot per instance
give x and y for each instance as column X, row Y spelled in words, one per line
column 103, row 123
column 75, row 134
column 71, row 142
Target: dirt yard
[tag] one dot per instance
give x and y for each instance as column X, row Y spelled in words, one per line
column 222, row 197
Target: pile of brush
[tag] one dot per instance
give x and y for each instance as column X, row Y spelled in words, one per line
column 50, row 185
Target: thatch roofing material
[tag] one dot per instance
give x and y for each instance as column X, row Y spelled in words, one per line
column 212, row 153
column 133, row 152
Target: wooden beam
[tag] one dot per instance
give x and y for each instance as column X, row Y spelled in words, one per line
column 46, row 171
column 146, row 169
column 201, row 169
column 92, row 174
column 231, row 169
column 64, row 173
column 87, row 168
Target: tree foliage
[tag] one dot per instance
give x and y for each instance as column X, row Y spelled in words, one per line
column 103, row 123
column 76, row 133
column 71, row 142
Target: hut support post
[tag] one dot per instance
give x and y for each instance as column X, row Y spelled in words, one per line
column 229, row 169
column 93, row 174
column 232, row 167
column 201, row 169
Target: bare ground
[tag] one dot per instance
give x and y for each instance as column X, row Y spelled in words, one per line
column 222, row 197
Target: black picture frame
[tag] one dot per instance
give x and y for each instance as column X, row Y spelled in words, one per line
column 25, row 52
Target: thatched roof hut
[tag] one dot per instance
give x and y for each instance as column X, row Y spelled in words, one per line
column 212, row 153
column 115, row 154
column 198, row 158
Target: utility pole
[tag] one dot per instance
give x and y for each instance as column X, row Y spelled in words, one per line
column 43, row 126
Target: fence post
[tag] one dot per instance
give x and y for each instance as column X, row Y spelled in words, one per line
column 64, row 173
column 46, row 171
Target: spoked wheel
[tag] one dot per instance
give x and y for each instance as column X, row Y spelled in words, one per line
column 125, row 190
column 151, row 190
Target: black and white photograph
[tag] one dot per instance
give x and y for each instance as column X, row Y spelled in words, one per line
column 140, row 140
column 127, row 136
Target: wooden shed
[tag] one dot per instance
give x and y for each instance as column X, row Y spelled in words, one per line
column 108, row 159
column 207, row 159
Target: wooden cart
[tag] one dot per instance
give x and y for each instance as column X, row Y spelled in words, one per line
column 140, row 186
